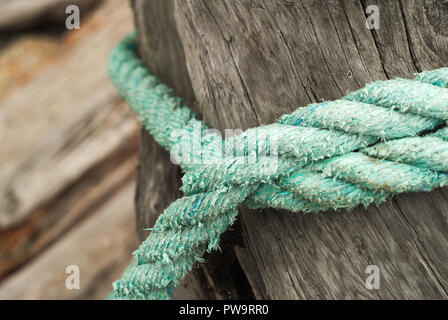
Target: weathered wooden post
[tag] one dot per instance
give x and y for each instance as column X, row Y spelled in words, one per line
column 244, row 63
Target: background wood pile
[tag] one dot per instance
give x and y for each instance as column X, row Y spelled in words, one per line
column 67, row 156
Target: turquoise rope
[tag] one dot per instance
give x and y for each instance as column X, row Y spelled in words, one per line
column 387, row 138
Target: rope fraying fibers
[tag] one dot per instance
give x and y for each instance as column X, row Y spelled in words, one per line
column 386, row 138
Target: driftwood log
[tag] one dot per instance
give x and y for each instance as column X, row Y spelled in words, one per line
column 244, row 63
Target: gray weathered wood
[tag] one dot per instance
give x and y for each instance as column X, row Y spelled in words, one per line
column 43, row 150
column 247, row 63
column 100, row 247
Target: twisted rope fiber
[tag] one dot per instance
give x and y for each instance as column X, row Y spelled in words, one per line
column 386, row 138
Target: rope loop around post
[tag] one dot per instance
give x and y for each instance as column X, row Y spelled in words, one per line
column 386, row 138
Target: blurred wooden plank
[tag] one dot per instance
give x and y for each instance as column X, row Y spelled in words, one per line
column 66, row 120
column 69, row 143
column 22, row 57
column 77, row 202
column 16, row 14
column 101, row 247
column 66, row 154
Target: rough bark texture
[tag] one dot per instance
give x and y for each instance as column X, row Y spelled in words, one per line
column 244, row 63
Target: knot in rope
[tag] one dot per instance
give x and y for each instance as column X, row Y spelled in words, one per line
column 386, row 138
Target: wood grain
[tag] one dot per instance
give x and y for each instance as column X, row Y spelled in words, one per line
column 21, row 58
column 109, row 231
column 19, row 14
column 250, row 62
column 64, row 121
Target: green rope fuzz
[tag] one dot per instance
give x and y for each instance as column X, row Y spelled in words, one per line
column 387, row 138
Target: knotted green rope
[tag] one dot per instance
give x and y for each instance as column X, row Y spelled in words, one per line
column 387, row 138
